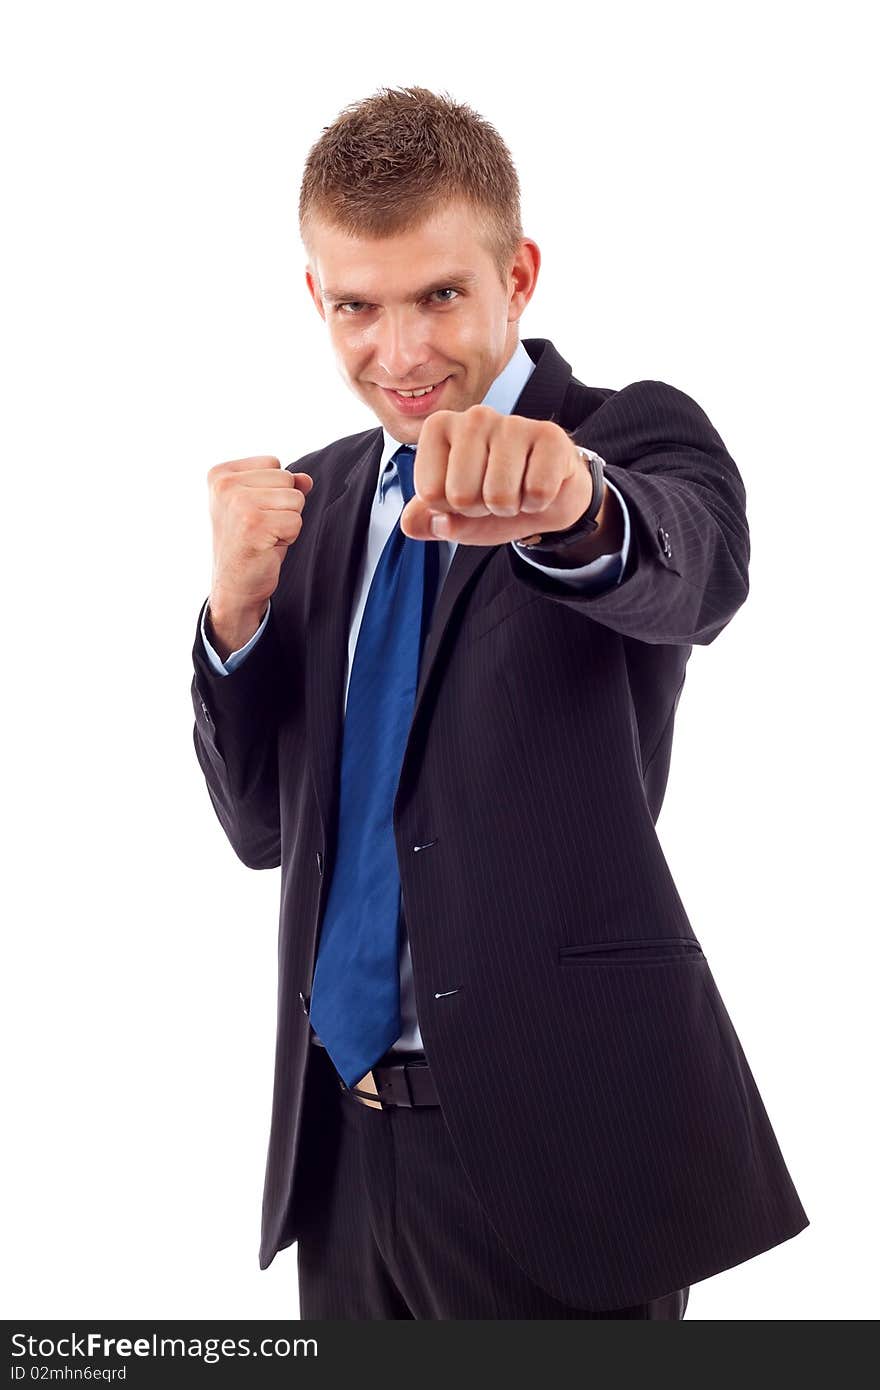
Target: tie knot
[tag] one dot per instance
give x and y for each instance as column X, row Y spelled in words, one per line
column 405, row 460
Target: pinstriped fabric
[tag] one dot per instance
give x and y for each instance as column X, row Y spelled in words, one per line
column 597, row 1098
column 676, row 475
column 401, row 1234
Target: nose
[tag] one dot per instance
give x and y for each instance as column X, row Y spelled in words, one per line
column 401, row 352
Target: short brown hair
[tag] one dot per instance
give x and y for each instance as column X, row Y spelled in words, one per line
column 390, row 161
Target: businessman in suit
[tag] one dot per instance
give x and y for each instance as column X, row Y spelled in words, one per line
column 435, row 681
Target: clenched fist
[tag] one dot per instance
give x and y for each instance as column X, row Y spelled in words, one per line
column 256, row 513
column 489, row 478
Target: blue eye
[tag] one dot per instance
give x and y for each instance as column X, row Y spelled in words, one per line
column 354, row 304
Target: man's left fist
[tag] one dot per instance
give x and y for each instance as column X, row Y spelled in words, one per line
column 491, row 478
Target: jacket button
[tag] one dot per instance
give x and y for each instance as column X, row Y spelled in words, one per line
column 664, row 542
column 304, row 1002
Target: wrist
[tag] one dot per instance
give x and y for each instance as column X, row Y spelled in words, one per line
column 583, row 532
column 230, row 626
column 607, row 539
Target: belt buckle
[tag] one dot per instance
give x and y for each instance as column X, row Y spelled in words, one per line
column 396, row 1091
column 401, row 1091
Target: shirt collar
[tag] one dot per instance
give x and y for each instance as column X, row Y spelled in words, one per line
column 502, row 396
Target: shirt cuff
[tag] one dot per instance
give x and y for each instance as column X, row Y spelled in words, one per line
column 225, row 668
column 599, row 572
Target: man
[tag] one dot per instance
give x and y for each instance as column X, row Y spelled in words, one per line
column 435, row 681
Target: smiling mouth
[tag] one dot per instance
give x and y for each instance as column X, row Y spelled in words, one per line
column 409, row 390
column 424, row 395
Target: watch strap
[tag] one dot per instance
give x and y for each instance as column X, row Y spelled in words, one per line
column 555, row 540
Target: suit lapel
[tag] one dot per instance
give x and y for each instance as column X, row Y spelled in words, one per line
column 340, row 546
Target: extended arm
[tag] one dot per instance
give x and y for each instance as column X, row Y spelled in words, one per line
column 687, row 569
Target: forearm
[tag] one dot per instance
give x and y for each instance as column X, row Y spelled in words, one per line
column 687, row 572
column 236, row 742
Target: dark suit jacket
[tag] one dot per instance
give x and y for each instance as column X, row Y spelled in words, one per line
column 590, row 1076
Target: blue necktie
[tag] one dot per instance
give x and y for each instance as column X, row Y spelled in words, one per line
column 355, row 1004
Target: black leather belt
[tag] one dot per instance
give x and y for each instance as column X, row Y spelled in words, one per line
column 398, row 1083
column 407, row 1081
column 399, row 1079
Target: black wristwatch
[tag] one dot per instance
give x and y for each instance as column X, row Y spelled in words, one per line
column 554, row 540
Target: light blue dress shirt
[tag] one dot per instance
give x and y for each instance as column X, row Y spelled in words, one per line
column 387, row 506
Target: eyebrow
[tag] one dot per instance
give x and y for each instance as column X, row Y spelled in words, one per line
column 460, row 277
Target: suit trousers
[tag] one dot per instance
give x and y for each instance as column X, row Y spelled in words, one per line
column 398, row 1232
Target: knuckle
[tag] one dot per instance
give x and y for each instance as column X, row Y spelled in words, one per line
column 435, row 423
column 540, row 491
column 459, row 498
column 494, row 498
column 513, row 424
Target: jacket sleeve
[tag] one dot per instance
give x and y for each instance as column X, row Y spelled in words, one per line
column 225, row 668
column 600, row 573
column 687, row 569
column 236, row 742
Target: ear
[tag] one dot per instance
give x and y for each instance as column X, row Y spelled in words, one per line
column 315, row 292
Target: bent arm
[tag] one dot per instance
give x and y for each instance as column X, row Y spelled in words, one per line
column 236, row 741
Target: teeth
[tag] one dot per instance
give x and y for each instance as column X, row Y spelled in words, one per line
column 423, row 392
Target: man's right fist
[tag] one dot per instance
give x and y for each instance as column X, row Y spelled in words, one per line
column 256, row 513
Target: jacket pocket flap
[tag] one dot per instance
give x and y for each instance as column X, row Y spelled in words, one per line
column 632, row 952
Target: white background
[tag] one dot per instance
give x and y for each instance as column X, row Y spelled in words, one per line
column 699, row 183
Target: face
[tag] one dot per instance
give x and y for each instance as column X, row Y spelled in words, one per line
column 423, row 308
